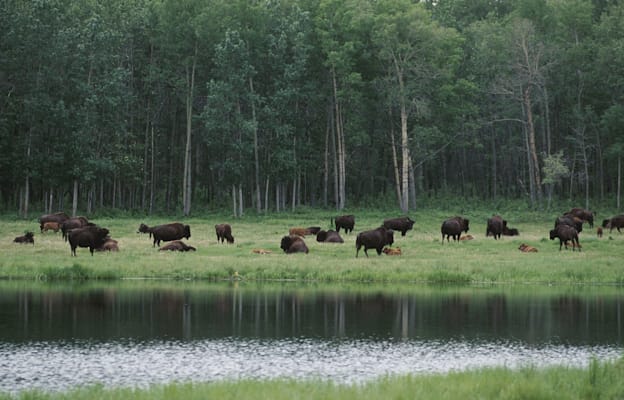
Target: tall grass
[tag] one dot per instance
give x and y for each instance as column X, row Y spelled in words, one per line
column 601, row 380
column 425, row 258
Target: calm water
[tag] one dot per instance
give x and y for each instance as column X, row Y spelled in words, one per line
column 55, row 337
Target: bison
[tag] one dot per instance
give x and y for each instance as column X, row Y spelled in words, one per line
column 73, row 223
column 329, row 236
column 565, row 233
column 177, row 245
column 293, row 244
column 570, row 220
column 108, row 245
column 51, row 226
column 389, row 251
column 616, row 222
column 599, row 232
column 583, row 214
column 145, row 229
column 88, row 236
column 28, row 237
column 58, row 217
column 401, row 224
column 510, row 231
column 297, row 231
column 454, row 227
column 167, row 232
column 347, row 222
column 495, row 226
column 374, row 239
column 224, row 232
column 525, row 248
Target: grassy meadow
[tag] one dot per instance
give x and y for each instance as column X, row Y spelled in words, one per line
column 424, row 257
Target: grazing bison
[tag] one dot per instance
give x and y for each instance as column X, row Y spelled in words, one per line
column 570, row 220
column 28, row 237
column 374, row 239
column 583, row 214
column 616, row 222
column 168, row 232
column 525, row 248
column 73, row 223
column 51, row 226
column 402, row 224
column 177, row 245
column 224, row 232
column 329, row 236
column 293, row 244
column 108, row 245
column 454, row 227
column 565, row 233
column 58, row 217
column 87, row 236
column 145, row 229
column 495, row 226
column 389, row 251
column 347, row 222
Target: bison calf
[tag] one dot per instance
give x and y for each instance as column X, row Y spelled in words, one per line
column 293, row 244
column 525, row 248
column 374, row 239
column 389, row 251
column 28, row 237
column 51, row 226
column 108, row 245
column 224, row 232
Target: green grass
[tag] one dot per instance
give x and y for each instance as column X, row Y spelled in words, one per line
column 601, row 380
column 425, row 258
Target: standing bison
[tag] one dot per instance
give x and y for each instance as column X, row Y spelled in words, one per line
column 92, row 237
column 401, row 224
column 58, row 217
column 583, row 214
column 570, row 220
column 347, row 222
column 616, row 222
column 565, row 233
column 495, row 226
column 454, row 227
column 374, row 239
column 293, row 244
column 166, row 232
column 73, row 223
column 224, row 232
column 329, row 236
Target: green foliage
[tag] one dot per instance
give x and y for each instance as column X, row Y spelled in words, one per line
column 554, row 168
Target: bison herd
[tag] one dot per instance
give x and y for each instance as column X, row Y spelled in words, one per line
column 80, row 232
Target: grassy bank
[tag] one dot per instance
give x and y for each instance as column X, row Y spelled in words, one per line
column 425, row 258
column 601, row 380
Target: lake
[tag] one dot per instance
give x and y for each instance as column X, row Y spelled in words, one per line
column 142, row 332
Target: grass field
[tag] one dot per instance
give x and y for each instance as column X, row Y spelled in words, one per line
column 424, row 257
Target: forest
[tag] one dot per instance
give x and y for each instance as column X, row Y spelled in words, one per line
column 183, row 106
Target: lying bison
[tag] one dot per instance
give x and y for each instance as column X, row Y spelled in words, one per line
column 88, row 236
column 329, row 236
column 583, row 214
column 565, row 233
column 401, row 224
column 374, row 239
column 108, row 245
column 495, row 226
column 224, row 232
column 293, row 244
column 28, row 237
column 454, row 227
column 347, row 222
column 177, row 245
column 616, row 222
column 510, row 231
column 58, row 217
column 166, row 232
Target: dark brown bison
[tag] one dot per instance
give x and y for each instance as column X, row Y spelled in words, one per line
column 565, row 233
column 374, row 239
column 583, row 214
column 28, row 237
column 495, row 226
column 329, row 236
column 401, row 224
column 87, row 236
column 73, row 223
column 177, row 245
column 525, row 248
column 224, row 232
column 347, row 222
column 313, row 230
column 293, row 244
column 454, row 227
column 616, row 222
column 51, row 226
column 58, row 217
column 108, row 245
column 145, row 229
column 168, row 232
column 510, row 231
column 570, row 220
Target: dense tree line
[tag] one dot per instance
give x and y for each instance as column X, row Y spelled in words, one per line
column 182, row 105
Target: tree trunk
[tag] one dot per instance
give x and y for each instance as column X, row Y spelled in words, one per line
column 186, row 182
column 234, row 208
column 266, row 196
column 75, row 198
column 340, row 146
column 412, row 186
column 326, row 164
column 619, row 183
column 240, row 200
column 151, row 201
column 255, row 140
column 532, row 146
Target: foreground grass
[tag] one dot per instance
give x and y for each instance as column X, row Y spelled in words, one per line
column 424, row 259
column 601, row 380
